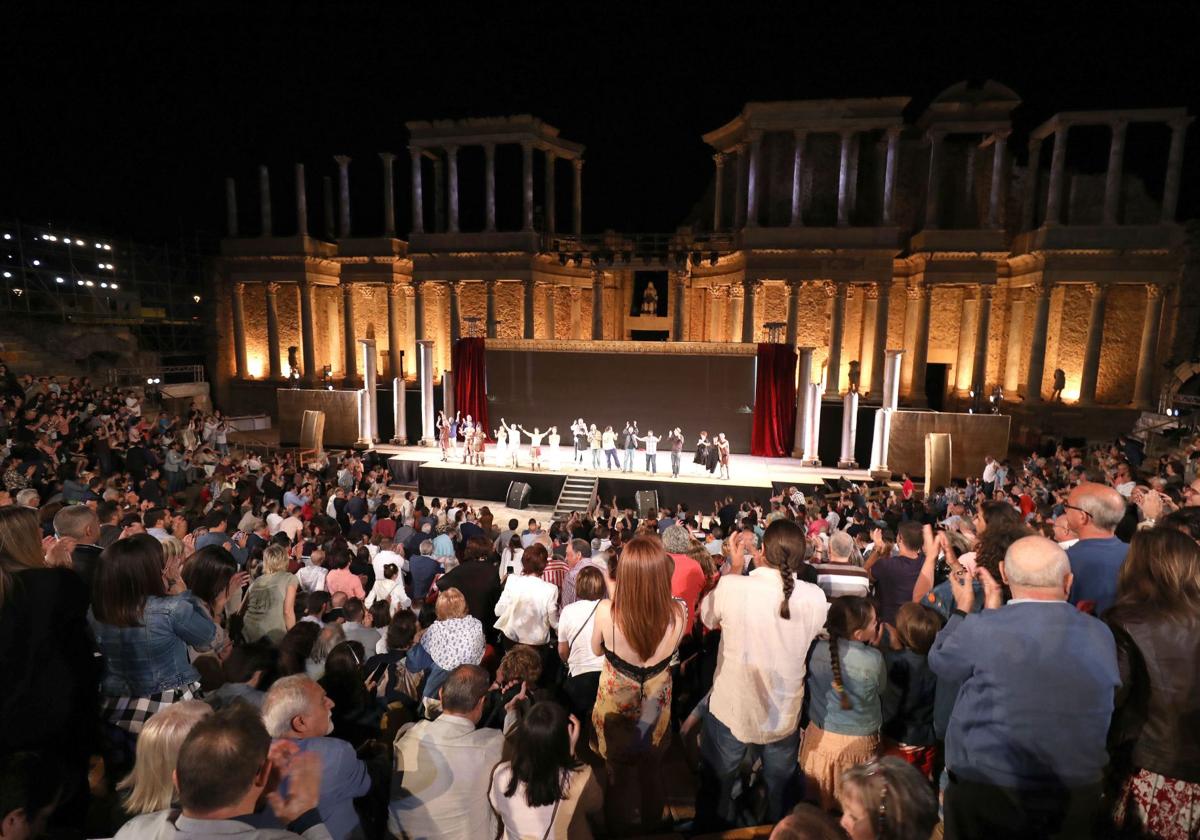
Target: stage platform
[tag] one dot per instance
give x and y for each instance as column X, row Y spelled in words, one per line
column 751, row 477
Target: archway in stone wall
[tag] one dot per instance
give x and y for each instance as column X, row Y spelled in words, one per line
column 1184, row 380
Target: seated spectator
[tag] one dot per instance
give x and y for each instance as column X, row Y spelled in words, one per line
column 271, row 600
column 355, row 712
column 887, row 800
column 246, row 673
column 151, row 785
column 354, row 626
column 328, row 637
column 312, row 576
column 454, row 639
column 226, row 766
column 297, row 709
column 545, row 790
column 79, row 522
column 340, row 578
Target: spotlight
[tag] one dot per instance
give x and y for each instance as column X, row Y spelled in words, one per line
column 7, row 275
column 18, row 292
column 89, row 283
column 102, row 285
column 8, row 236
column 97, row 246
column 77, row 241
column 107, row 247
column 78, row 282
column 59, row 280
column 112, row 286
column 196, row 298
column 37, row 262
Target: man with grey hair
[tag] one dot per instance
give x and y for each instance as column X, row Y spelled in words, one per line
column 422, row 568
column 29, row 498
column 842, row 575
column 80, row 523
column 297, row 709
column 1093, row 512
column 578, row 557
column 1026, row 744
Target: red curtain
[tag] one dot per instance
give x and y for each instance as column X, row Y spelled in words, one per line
column 774, row 401
column 470, row 381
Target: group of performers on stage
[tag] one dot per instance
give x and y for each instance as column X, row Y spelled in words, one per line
column 460, row 436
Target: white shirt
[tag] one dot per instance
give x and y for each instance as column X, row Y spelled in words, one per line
column 651, row 442
column 391, row 591
column 989, row 472
column 758, row 688
column 510, row 563
column 312, row 578
column 527, row 609
column 1126, row 488
column 383, row 558
column 292, row 526
column 273, row 520
column 576, row 623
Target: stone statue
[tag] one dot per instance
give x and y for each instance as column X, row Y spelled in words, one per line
column 650, row 300
column 1060, row 382
column 855, row 374
column 293, row 362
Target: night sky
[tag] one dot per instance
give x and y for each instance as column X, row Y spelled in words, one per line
column 127, row 124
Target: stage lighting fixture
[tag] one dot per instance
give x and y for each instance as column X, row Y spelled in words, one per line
column 18, row 292
column 37, row 262
column 112, row 286
column 59, row 280
column 8, row 236
column 7, row 275
column 195, row 298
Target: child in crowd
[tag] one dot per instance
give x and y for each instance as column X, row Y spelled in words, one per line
column 908, row 703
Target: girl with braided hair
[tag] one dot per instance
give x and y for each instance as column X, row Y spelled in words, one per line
column 846, row 678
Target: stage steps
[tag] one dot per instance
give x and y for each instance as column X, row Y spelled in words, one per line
column 576, row 495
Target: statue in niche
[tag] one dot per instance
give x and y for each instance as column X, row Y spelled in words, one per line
column 650, row 300
column 293, row 362
column 855, row 375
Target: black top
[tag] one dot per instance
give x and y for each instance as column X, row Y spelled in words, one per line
column 479, row 582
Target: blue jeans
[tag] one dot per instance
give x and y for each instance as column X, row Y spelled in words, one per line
column 721, row 756
column 611, row 459
column 595, row 459
column 628, row 465
column 651, row 462
column 675, row 464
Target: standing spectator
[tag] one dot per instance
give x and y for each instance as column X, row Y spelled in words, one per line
column 454, row 639
column 909, row 704
column 1025, row 749
column 476, row 579
column 271, row 599
column 1093, row 512
column 575, row 627
column 423, row 568
column 340, row 578
column 390, row 589
column 528, row 607
column 840, row 575
column 1156, row 622
column 896, row 575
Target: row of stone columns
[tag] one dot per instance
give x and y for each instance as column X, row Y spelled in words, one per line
column 489, row 148
column 749, row 187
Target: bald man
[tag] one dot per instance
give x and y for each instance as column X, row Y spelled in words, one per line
column 1025, row 748
column 1093, row 512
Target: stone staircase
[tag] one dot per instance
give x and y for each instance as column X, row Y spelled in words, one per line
column 577, row 495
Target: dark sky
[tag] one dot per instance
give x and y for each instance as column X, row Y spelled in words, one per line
column 127, row 123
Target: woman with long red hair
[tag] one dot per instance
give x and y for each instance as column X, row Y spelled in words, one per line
column 637, row 633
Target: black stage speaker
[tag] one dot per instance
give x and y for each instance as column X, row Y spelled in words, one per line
column 518, row 495
column 647, row 500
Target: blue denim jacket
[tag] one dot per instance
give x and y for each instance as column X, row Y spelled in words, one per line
column 139, row 661
column 864, row 676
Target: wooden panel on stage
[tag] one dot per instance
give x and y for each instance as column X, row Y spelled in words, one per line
column 973, row 437
column 937, row 460
column 660, row 384
column 340, row 409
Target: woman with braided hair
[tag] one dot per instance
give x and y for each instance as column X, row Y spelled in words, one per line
column 846, row 678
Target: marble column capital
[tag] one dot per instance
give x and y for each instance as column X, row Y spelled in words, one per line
column 1154, row 291
column 394, row 288
column 985, row 292
column 347, row 287
column 934, row 136
column 455, row 286
column 416, row 152
column 736, row 292
column 342, row 160
column 576, row 293
column 718, row 292
column 272, row 288
column 1118, row 125
column 239, row 286
column 894, row 131
column 1037, row 288
column 1181, row 123
column 916, row 289
column 490, row 284
column 1096, row 289
column 577, row 163
column 387, row 157
column 719, row 159
column 871, row 292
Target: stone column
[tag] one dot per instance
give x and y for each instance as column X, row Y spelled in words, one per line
column 418, row 313
column 883, row 417
column 348, row 331
column 1112, row 178
column 343, row 162
column 753, row 188
column 866, row 344
column 678, row 291
column 549, row 224
column 389, row 195
column 1095, row 334
column 597, row 305
column 490, row 315
column 966, row 342
column 812, row 427
column 489, row 190
column 576, row 294
column 1037, row 350
column 418, row 199
column 239, row 330
column 548, row 290
column 837, row 327
column 439, row 196
column 1029, row 205
column 879, row 350
column 737, row 300
column 399, row 412
column 1015, row 341
column 889, row 175
column 264, row 200
column 803, row 394
column 327, row 206
column 739, row 192
column 577, row 209
column 969, row 181
column 410, row 321
column 308, row 331
column 1058, row 164
column 273, row 366
column 749, row 331
column 1174, row 169
column 1143, row 390
column 369, row 362
column 983, row 320
column 395, row 354
column 527, row 307
column 800, row 137
column 527, row 186
column 455, row 321
column 934, row 182
column 231, row 214
column 425, row 380
column 301, row 202
column 891, row 379
column 452, row 165
column 844, row 185
column 719, row 160
column 996, row 195
column 793, row 311
column 715, row 293
column 916, row 331
column 849, row 431
column 448, row 401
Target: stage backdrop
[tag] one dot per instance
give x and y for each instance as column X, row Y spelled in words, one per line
column 552, row 387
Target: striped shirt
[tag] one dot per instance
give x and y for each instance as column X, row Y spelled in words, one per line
column 837, row 579
column 556, row 572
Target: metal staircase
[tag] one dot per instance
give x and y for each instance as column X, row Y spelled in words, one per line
column 577, row 495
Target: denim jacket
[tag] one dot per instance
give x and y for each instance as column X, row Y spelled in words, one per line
column 145, row 660
column 864, row 676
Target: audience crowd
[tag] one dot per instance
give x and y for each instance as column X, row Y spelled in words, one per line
column 198, row 641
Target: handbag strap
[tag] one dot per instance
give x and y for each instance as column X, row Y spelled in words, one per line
column 571, row 644
column 553, row 817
